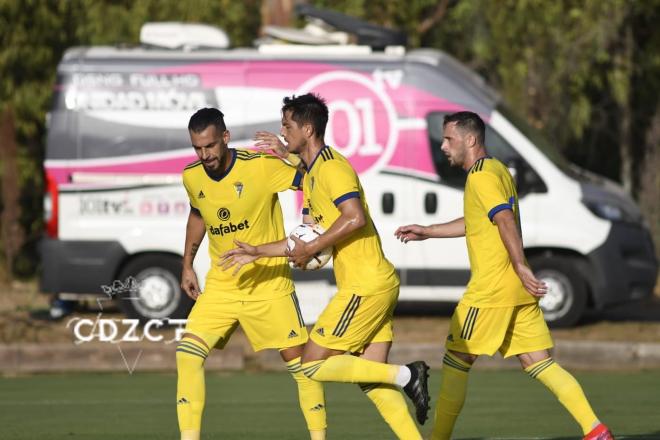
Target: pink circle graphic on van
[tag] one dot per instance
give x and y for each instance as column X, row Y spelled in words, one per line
column 362, row 120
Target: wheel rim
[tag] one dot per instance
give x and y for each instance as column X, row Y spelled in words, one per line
column 158, row 294
column 560, row 297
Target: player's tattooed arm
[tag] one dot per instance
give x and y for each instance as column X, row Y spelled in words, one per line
column 195, row 231
column 194, row 249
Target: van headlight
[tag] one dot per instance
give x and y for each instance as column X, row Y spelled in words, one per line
column 606, row 210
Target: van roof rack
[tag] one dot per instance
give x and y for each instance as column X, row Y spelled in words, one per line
column 183, row 36
column 367, row 34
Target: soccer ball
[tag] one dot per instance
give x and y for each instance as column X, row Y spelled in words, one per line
column 308, row 233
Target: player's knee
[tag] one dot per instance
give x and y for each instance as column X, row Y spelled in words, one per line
column 309, row 369
column 465, row 357
column 190, row 354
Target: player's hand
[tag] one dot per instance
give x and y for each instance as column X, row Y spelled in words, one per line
column 534, row 286
column 189, row 283
column 270, row 143
column 238, row 257
column 301, row 253
column 411, row 233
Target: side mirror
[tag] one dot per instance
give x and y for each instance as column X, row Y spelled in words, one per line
column 526, row 179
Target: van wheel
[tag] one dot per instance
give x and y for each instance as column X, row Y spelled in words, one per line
column 566, row 299
column 158, row 294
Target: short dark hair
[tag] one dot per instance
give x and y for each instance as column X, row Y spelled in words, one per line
column 205, row 117
column 308, row 109
column 470, row 122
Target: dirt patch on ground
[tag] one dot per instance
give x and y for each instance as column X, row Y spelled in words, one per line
column 21, row 302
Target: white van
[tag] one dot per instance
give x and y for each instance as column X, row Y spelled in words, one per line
column 117, row 143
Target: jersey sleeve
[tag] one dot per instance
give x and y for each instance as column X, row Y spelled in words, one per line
column 489, row 193
column 280, row 176
column 339, row 181
column 191, row 197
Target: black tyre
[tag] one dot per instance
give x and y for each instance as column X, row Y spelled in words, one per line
column 159, row 293
column 566, row 299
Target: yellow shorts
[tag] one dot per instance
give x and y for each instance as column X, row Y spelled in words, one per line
column 350, row 322
column 274, row 323
column 509, row 330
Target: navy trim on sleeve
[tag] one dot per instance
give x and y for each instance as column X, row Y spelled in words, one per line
column 297, row 179
column 195, row 210
column 497, row 209
column 305, row 211
column 350, row 195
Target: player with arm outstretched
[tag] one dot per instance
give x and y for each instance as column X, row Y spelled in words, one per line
column 353, row 335
column 233, row 195
column 499, row 310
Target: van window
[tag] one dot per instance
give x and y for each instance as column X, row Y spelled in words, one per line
column 526, row 178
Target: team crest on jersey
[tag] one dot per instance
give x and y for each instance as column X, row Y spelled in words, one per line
column 223, row 214
column 238, row 187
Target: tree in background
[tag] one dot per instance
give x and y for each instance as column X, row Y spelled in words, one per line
column 584, row 72
column 33, row 37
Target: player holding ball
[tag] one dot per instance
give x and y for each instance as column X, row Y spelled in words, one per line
column 353, row 335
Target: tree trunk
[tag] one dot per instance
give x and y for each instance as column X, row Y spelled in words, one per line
column 649, row 185
column 276, row 12
column 625, row 108
column 11, row 232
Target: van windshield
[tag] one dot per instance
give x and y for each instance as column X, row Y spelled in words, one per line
column 537, row 138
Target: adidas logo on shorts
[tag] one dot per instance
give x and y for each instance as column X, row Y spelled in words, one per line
column 293, row 334
column 182, row 400
column 201, row 195
column 318, row 407
column 320, row 331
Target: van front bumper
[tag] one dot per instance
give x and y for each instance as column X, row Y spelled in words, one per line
column 78, row 266
column 624, row 267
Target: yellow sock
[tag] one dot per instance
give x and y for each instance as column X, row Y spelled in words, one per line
column 569, row 392
column 190, row 435
column 317, row 435
column 312, row 400
column 453, row 388
column 393, row 408
column 347, row 368
column 190, row 393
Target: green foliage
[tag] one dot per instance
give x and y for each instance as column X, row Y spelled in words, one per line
column 572, row 68
column 584, row 72
column 33, row 36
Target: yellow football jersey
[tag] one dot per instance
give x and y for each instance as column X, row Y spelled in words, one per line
column 242, row 204
column 359, row 263
column 494, row 283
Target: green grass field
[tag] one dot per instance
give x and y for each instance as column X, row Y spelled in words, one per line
column 503, row 404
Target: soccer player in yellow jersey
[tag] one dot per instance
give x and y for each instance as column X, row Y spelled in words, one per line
column 499, row 310
column 233, row 195
column 353, row 335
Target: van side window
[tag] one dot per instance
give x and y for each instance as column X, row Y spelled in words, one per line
column 526, row 178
